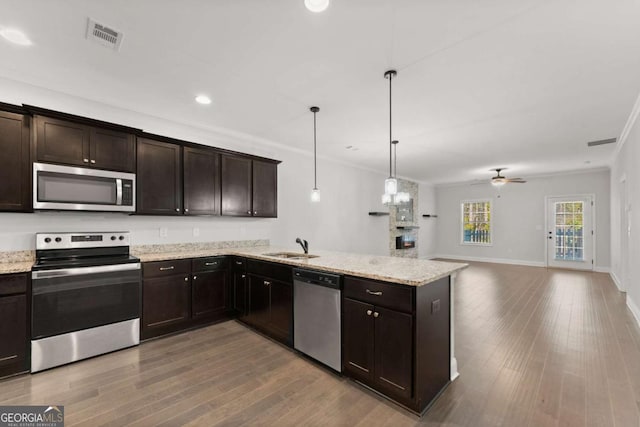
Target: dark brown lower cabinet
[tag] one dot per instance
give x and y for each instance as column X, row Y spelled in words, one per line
column 165, row 304
column 403, row 352
column 271, row 300
column 208, row 294
column 14, row 332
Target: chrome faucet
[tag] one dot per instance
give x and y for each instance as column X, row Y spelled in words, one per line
column 304, row 244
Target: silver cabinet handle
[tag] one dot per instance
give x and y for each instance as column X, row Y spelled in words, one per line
column 167, row 268
column 255, row 212
column 267, row 283
column 211, row 263
column 249, row 212
column 177, row 209
column 186, row 279
column 369, row 312
column 238, row 262
column 378, row 293
column 243, row 276
column 93, row 162
column 376, row 314
column 186, row 210
column 85, row 160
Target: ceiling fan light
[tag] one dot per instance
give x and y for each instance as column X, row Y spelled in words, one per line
column 498, row 182
column 316, row 6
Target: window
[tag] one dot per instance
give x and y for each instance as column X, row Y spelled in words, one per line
column 476, row 222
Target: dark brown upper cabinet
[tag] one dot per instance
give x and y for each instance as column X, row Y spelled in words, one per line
column 159, row 178
column 71, row 143
column 201, row 181
column 249, row 187
column 15, row 181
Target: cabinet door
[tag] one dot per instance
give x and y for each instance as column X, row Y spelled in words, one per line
column 13, row 334
column 265, row 189
column 208, row 293
column 59, row 141
column 165, row 301
column 358, row 339
column 393, row 352
column 201, row 182
column 240, row 293
column 159, row 178
column 258, row 301
column 236, row 186
column 112, row 150
column 281, row 310
column 15, row 188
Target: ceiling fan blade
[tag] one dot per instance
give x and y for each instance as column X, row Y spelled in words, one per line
column 516, row 181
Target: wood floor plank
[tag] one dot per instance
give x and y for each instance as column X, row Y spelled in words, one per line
column 535, row 347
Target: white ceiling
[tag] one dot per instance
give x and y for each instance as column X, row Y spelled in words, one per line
column 481, row 84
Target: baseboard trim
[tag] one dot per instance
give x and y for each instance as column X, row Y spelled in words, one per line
column 634, row 309
column 602, row 269
column 616, row 281
column 493, row 260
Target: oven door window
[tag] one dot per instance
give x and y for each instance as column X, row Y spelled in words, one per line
column 72, row 303
column 56, row 187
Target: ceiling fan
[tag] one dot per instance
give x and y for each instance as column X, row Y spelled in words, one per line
column 500, row 180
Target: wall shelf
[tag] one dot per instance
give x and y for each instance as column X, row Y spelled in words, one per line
column 429, row 216
column 407, row 227
column 379, row 213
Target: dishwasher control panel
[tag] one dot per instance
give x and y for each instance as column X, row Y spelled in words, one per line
column 318, row 278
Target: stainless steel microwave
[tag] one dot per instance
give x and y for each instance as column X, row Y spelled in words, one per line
column 59, row 187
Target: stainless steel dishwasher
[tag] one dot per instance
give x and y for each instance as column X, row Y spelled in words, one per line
column 316, row 316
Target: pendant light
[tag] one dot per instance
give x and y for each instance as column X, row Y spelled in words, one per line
column 315, row 193
column 391, row 183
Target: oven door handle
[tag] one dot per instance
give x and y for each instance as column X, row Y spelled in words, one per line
column 119, row 191
column 64, row 272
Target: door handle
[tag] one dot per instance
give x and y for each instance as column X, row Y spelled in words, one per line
column 377, row 293
column 376, row 314
column 369, row 312
column 267, row 283
column 195, row 277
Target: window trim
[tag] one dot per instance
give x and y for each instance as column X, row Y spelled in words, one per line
column 491, row 234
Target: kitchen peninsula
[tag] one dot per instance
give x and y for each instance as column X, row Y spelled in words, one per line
column 396, row 313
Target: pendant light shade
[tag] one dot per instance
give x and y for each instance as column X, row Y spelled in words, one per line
column 315, row 193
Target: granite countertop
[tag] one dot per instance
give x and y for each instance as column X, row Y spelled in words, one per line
column 406, row 271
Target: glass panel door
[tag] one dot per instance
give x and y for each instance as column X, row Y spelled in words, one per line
column 569, row 239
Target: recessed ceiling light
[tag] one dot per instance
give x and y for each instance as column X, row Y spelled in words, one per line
column 203, row 99
column 15, row 36
column 316, row 5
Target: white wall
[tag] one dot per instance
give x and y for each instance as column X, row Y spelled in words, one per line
column 338, row 222
column 625, row 213
column 428, row 226
column 519, row 234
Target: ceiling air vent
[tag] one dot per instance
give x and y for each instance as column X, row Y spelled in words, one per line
column 104, row 35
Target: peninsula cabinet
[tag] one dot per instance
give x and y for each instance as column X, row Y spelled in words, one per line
column 13, row 324
column 15, row 188
column 249, row 187
column 271, row 299
column 78, row 144
column 396, row 338
column 159, row 178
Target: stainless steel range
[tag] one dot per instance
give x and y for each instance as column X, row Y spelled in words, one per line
column 85, row 297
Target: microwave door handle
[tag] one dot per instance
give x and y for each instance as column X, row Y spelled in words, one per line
column 118, row 191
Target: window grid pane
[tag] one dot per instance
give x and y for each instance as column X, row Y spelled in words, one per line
column 569, row 232
column 476, row 222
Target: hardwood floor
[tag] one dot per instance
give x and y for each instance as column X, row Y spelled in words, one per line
column 535, row 347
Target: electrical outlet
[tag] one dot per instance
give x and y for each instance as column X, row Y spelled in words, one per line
column 196, row 231
column 435, row 306
column 164, row 231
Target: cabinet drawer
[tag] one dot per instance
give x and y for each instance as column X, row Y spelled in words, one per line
column 209, row 263
column 272, row 270
column 397, row 297
column 238, row 264
column 166, row 268
column 11, row 284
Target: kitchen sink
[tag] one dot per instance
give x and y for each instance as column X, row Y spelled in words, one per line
column 290, row 255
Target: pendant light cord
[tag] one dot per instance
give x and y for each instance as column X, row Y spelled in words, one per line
column 315, row 161
column 390, row 135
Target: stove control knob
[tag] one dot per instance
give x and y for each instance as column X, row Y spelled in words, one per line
column 47, row 239
column 121, row 237
column 113, row 237
column 58, row 239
